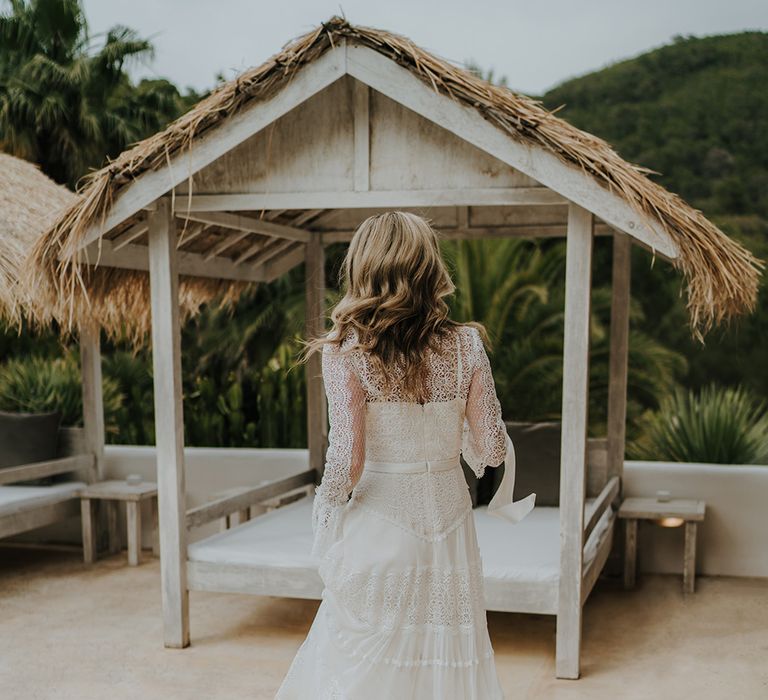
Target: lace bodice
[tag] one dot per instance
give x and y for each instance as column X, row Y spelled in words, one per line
column 367, row 424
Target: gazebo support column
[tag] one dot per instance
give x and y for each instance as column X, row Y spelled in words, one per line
column 618, row 364
column 578, row 274
column 317, row 421
column 93, row 401
column 169, row 424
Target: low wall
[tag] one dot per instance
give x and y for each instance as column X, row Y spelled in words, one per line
column 732, row 540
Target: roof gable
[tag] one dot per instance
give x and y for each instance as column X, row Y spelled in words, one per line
column 721, row 276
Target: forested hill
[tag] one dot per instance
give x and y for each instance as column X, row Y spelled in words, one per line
column 696, row 111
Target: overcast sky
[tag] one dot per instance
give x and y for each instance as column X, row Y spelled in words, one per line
column 534, row 44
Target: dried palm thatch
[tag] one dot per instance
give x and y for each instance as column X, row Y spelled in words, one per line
column 30, row 203
column 721, row 276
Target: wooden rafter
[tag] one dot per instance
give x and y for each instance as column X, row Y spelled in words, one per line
column 190, row 234
column 129, row 236
column 250, row 224
column 306, row 216
column 260, row 253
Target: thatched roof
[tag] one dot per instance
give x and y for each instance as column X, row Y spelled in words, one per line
column 30, row 203
column 721, row 276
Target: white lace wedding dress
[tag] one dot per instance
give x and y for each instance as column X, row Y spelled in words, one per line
column 403, row 612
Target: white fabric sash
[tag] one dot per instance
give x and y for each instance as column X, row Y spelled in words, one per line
column 502, row 504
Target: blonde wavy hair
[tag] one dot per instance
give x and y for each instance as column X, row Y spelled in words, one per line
column 395, row 283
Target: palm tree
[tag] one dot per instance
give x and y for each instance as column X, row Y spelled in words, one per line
column 65, row 104
column 515, row 287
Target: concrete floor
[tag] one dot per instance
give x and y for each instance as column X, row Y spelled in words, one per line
column 71, row 632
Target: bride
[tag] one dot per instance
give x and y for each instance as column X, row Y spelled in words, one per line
column 403, row 612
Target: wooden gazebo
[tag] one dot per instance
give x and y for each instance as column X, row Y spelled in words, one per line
column 30, row 203
column 290, row 157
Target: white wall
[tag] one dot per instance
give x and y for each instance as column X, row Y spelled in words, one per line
column 209, row 471
column 732, row 540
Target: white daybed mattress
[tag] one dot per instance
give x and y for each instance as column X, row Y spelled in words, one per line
column 15, row 498
column 270, row 556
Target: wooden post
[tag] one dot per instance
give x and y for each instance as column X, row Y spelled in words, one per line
column 630, row 552
column 317, row 409
column 87, row 518
column 133, row 529
column 362, row 136
column 617, row 382
column 169, row 424
column 578, row 278
column 689, row 557
column 93, row 402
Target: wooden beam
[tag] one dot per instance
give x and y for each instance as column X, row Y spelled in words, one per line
column 189, row 233
column 136, row 257
column 578, row 273
column 247, row 223
column 376, row 199
column 619, row 353
column 603, row 501
column 129, row 236
column 39, row 470
column 302, row 218
column 362, row 136
column 399, row 84
column 277, row 267
column 314, row 324
column 248, row 496
column 26, row 519
column 260, row 252
column 520, row 231
column 598, row 561
column 93, row 400
column 224, row 244
column 211, row 145
column 169, row 424
column 462, row 218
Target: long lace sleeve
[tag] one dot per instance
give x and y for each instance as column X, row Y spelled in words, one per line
column 346, row 447
column 484, row 442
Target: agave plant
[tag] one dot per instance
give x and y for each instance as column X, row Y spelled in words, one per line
column 39, row 385
column 719, row 425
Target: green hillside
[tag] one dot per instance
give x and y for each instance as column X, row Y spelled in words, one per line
column 695, row 111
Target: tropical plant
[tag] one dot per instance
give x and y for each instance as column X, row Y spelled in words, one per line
column 38, row 385
column 135, row 418
column 515, row 287
column 720, row 425
column 64, row 103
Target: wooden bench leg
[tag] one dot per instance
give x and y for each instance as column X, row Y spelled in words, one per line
column 133, row 518
column 88, row 518
column 155, row 528
column 630, row 552
column 689, row 558
column 113, row 531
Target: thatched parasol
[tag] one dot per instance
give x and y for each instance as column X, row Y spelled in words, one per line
column 30, row 203
column 721, row 276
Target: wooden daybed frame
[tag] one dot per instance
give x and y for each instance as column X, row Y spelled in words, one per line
column 296, row 576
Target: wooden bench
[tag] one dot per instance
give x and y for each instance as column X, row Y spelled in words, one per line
column 24, row 508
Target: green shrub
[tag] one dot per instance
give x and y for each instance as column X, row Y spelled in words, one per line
column 719, row 425
column 38, row 384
